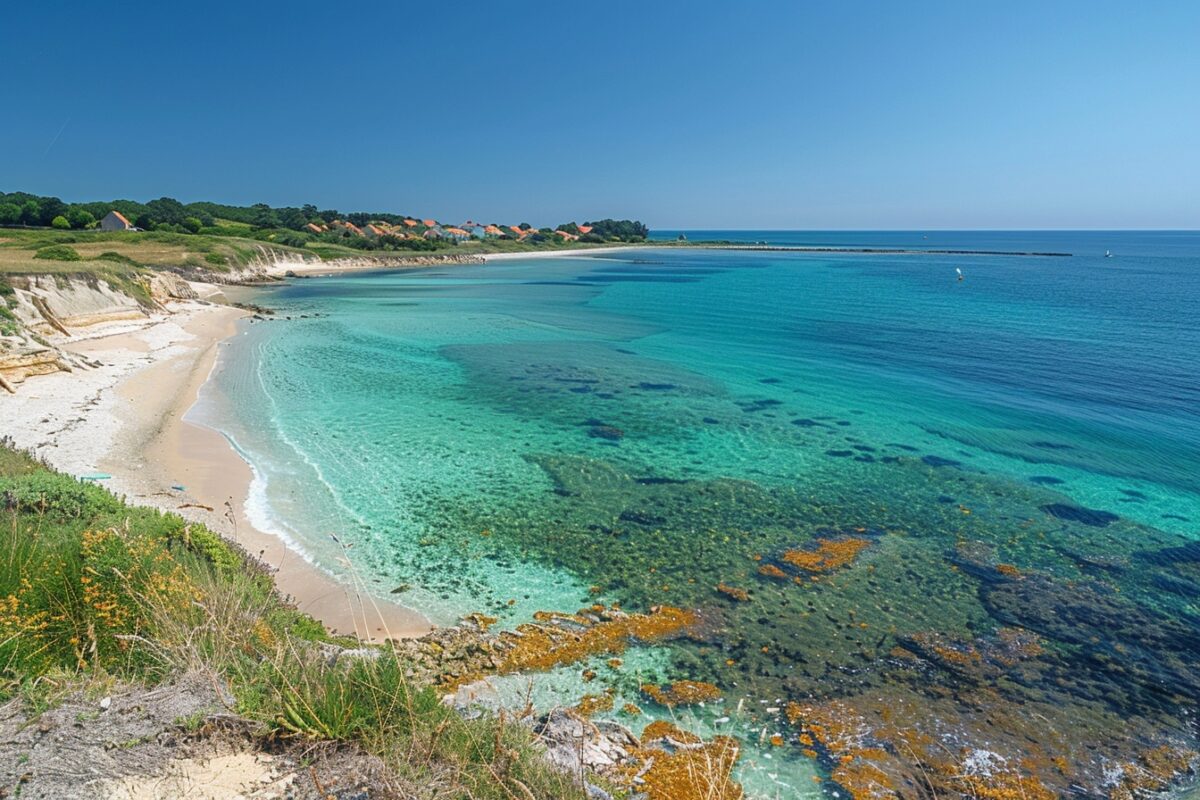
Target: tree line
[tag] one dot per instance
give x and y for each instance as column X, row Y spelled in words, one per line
column 169, row 214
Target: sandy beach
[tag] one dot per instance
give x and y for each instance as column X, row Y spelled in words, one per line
column 124, row 417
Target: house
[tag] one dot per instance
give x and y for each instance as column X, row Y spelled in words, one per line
column 583, row 229
column 411, row 223
column 492, row 230
column 477, row 231
column 516, row 230
column 434, row 232
column 346, row 226
column 374, row 231
column 567, row 237
column 115, row 221
column 313, row 227
column 429, row 223
column 458, row 234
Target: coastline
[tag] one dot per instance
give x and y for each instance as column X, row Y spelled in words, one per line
column 126, row 418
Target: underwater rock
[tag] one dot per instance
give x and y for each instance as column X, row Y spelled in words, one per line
column 1084, row 516
column 1046, row 480
column 608, row 432
column 939, row 461
column 682, row 693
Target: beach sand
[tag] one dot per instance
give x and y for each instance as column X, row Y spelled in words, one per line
column 125, row 418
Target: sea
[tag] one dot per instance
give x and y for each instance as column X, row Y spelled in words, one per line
column 954, row 477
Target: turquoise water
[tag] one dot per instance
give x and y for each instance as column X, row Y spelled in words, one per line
column 646, row 424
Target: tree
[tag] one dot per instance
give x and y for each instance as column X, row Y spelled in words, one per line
column 293, row 218
column 167, row 210
column 263, row 216
column 144, row 221
column 10, row 213
column 80, row 218
column 31, row 212
column 49, row 208
column 191, row 224
column 61, row 223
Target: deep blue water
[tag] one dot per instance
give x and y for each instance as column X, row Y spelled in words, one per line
column 614, row 419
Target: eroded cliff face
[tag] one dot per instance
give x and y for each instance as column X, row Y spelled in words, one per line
column 50, row 310
column 50, row 304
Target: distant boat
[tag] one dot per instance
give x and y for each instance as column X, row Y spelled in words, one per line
column 1108, row 253
column 959, row 271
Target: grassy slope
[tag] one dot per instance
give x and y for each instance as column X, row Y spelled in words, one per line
column 93, row 590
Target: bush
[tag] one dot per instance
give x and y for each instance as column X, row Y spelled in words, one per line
column 216, row 259
column 61, row 223
column 192, row 225
column 115, row 257
column 58, row 252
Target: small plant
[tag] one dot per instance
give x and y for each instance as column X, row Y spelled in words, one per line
column 58, row 252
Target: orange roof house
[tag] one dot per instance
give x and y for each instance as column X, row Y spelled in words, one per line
column 411, row 223
column 492, row 230
column 429, row 223
column 374, row 231
column 115, row 221
column 312, row 228
column 584, row 228
column 570, row 237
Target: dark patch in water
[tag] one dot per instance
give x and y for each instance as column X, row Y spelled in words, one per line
column 1179, row 517
column 844, row 423
column 655, row 387
column 753, row 406
column 771, row 381
column 864, row 448
column 639, row 279
column 907, row 447
column 805, row 422
column 890, row 459
column 654, row 481
column 938, row 461
column 1051, row 445
column 640, row 518
column 1133, row 493
column 866, row 459
column 711, row 421
column 626, row 352
column 945, row 498
column 1085, row 516
column 581, row 390
column 839, row 453
column 1046, row 480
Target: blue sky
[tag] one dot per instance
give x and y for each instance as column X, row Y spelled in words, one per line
column 683, row 114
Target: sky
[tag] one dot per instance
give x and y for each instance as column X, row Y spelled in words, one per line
column 844, row 114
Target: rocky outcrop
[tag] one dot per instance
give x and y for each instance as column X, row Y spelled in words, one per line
column 50, row 304
column 24, row 360
column 166, row 286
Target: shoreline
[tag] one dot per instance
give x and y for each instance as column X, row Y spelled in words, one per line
column 126, row 418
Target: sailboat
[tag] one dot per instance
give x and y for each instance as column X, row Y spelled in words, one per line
column 1108, row 253
column 959, row 271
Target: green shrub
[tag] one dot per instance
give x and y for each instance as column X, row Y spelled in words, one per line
column 58, row 252
column 60, row 222
column 216, row 259
column 116, row 258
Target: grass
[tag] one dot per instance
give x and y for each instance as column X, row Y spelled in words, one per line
column 94, row 591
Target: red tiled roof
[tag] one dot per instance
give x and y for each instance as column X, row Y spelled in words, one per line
column 584, row 228
column 121, row 217
column 429, row 223
column 412, row 223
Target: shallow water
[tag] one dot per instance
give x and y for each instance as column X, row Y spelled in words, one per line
column 640, row 427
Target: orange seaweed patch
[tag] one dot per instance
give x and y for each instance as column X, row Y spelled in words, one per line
column 740, row 595
column 772, row 571
column 695, row 772
column 591, row 704
column 682, row 693
column 830, row 554
column 1008, row 570
column 661, row 729
column 558, row 639
column 630, row 710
